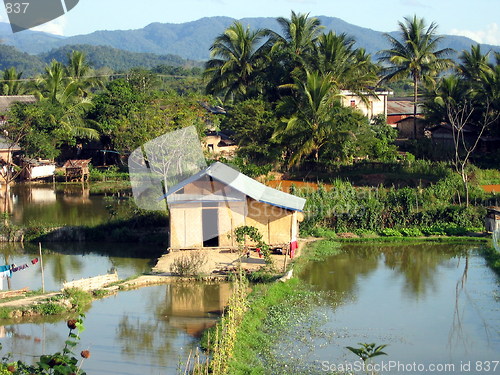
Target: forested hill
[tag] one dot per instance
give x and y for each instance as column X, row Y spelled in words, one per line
column 191, row 40
column 98, row 57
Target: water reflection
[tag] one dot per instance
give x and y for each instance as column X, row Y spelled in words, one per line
column 71, row 261
column 144, row 331
column 432, row 303
column 56, row 205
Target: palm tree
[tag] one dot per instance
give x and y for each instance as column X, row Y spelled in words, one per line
column 473, row 64
column 237, row 58
column 312, row 124
column 69, row 107
column 415, row 55
column 300, row 34
column 350, row 68
column 79, row 71
column 10, row 83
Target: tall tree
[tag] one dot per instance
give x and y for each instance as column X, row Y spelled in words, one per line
column 295, row 46
column 311, row 125
column 350, row 68
column 416, row 55
column 237, row 56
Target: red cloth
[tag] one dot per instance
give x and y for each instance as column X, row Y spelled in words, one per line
column 293, row 246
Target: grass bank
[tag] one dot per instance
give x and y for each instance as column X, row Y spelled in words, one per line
column 270, row 308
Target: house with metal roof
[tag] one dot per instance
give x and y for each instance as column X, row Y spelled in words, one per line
column 206, row 208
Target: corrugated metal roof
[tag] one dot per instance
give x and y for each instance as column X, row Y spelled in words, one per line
column 244, row 184
column 78, row 163
column 7, row 101
column 401, row 107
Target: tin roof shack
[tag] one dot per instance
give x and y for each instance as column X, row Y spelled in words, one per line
column 77, row 170
column 207, row 207
column 38, row 169
column 493, row 219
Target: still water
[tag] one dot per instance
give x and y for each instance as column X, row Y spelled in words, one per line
column 57, row 205
column 431, row 304
column 146, row 331
column 72, row 261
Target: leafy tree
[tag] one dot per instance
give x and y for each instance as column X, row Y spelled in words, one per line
column 416, row 55
column 237, row 58
column 252, row 123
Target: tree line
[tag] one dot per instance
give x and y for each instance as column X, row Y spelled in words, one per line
column 282, row 92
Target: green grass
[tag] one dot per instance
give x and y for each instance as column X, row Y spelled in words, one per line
column 492, row 257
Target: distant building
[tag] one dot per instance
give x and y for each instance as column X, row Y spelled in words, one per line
column 219, row 143
column 401, row 108
column 406, row 128
column 371, row 105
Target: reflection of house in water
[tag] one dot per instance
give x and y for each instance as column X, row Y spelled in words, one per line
column 195, row 307
column 76, row 195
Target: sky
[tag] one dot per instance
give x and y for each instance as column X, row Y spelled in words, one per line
column 476, row 19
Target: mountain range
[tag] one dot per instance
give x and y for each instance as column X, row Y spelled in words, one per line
column 189, row 40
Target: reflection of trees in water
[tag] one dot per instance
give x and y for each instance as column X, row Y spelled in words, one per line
column 418, row 264
column 340, row 273
column 152, row 337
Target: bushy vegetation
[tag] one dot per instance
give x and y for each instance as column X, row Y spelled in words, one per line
column 392, row 212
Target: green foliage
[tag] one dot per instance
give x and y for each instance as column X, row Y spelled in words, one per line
column 78, row 298
column 49, row 308
column 390, row 232
column 254, row 235
column 411, row 232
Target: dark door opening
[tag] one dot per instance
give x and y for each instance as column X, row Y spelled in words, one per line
column 210, row 222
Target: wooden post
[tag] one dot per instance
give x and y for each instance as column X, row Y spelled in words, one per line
column 41, row 266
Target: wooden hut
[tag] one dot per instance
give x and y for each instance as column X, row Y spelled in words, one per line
column 493, row 219
column 207, row 207
column 77, row 170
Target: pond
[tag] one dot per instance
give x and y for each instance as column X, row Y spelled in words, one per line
column 432, row 304
column 72, row 261
column 57, row 204
column 146, row 331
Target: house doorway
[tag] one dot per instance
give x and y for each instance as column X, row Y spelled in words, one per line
column 210, row 223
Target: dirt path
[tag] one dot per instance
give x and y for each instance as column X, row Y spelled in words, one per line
column 27, row 300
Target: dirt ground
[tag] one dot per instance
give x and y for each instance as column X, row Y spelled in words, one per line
column 223, row 259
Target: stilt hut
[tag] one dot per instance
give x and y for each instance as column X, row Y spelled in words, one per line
column 77, row 170
column 493, row 219
column 207, row 207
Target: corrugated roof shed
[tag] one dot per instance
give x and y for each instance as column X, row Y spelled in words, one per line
column 401, row 107
column 244, row 184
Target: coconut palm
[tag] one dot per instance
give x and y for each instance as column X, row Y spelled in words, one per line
column 79, row 71
column 68, row 106
column 416, row 55
column 350, row 68
column 10, row 83
column 311, row 126
column 473, row 64
column 237, row 57
column 296, row 45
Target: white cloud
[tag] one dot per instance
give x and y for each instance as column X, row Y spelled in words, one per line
column 56, row 26
column 489, row 35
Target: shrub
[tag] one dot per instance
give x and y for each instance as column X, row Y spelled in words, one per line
column 189, row 265
column 390, row 232
column 49, row 308
column 411, row 232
